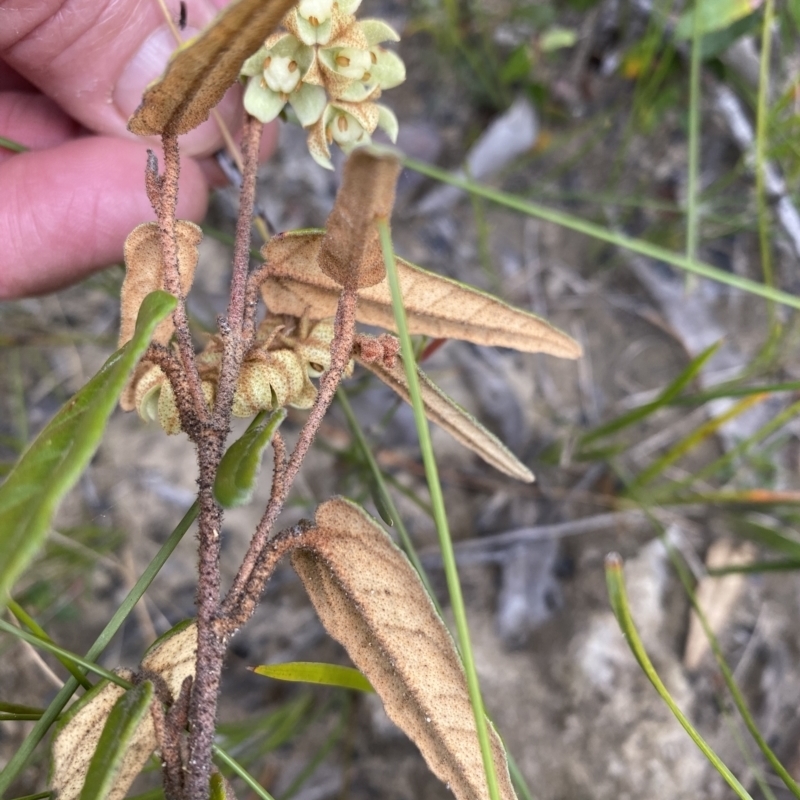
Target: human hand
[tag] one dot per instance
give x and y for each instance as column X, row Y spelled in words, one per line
column 71, row 73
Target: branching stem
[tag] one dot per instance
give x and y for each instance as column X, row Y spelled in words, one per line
column 239, row 336
column 248, row 585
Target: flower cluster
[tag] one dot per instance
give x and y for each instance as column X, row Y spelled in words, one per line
column 330, row 69
column 276, row 372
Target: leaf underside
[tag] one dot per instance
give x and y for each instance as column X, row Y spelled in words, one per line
column 78, row 738
column 448, row 414
column 370, row 599
column 436, row 306
column 202, row 70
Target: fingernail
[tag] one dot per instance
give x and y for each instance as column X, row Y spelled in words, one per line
column 142, row 69
column 147, row 65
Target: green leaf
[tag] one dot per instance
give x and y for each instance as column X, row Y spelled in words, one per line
column 310, row 672
column 716, row 42
column 557, row 38
column 53, row 463
column 217, row 787
column 239, row 468
column 768, row 536
column 714, row 15
column 517, row 66
column 106, row 768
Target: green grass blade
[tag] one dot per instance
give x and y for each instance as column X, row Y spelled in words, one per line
column 665, row 398
column 16, row 708
column 439, row 513
column 520, row 784
column 767, row 536
column 314, row 672
column 688, row 443
column 20, row 758
column 61, row 653
column 619, row 604
column 743, row 497
column 727, row 675
column 115, row 740
column 239, row 467
column 25, row 619
column 755, row 567
column 692, row 216
column 383, row 490
column 739, row 450
column 311, row 766
column 55, row 460
column 232, row 764
column 10, row 144
column 603, row 234
column 762, row 114
column 735, row 391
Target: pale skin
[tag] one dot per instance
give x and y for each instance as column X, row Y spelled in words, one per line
column 71, row 73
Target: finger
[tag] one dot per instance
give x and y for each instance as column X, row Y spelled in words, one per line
column 65, row 212
column 95, row 57
column 33, row 121
column 12, row 81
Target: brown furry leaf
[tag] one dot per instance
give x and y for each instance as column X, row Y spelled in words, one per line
column 436, row 306
column 371, row 600
column 144, row 273
column 448, row 414
column 351, row 248
column 173, row 655
column 202, row 70
column 78, row 735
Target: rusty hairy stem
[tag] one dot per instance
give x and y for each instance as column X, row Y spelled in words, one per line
column 210, row 646
column 248, row 585
column 171, row 366
column 168, row 201
column 235, row 335
column 251, row 140
column 211, row 639
column 252, row 293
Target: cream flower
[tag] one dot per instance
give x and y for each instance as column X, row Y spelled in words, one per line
column 330, row 68
column 349, row 125
column 276, row 73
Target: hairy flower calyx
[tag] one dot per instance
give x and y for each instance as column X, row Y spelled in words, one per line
column 276, row 372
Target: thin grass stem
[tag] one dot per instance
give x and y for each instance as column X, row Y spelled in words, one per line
column 377, row 475
column 612, row 237
column 692, row 212
column 439, row 512
column 619, row 604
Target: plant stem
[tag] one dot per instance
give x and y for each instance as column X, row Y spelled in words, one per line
column 248, row 584
column 168, row 202
column 238, row 336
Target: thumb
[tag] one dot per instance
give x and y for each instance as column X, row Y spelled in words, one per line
column 95, row 57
